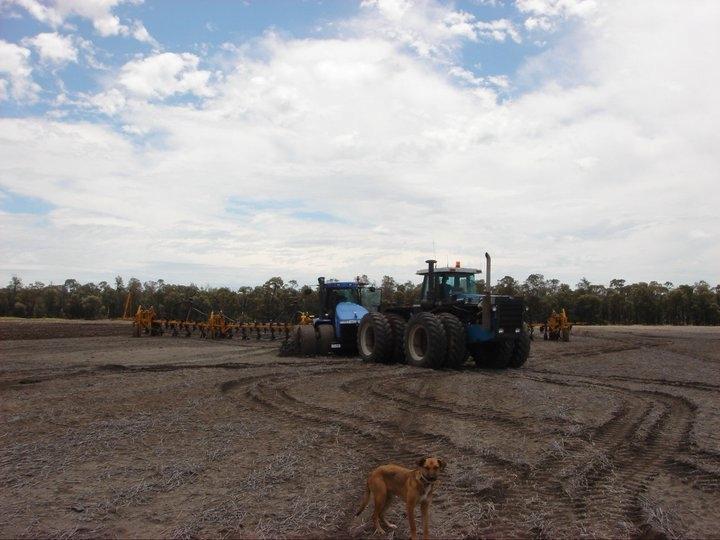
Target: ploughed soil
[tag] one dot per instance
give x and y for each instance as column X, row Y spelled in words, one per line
column 17, row 328
column 614, row 434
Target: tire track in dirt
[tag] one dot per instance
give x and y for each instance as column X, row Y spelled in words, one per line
column 451, row 495
column 686, row 449
column 385, row 440
column 657, row 425
column 694, row 385
column 105, row 369
column 542, row 478
column 451, row 410
column 635, row 451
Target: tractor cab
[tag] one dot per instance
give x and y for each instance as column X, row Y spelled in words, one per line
column 342, row 305
column 446, row 285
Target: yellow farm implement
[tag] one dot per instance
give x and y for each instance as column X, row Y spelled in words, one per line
column 557, row 327
column 217, row 326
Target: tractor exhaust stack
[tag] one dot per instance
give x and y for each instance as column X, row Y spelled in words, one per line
column 431, row 281
column 487, row 302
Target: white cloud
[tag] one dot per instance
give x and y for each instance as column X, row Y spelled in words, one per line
column 165, row 74
column 558, row 8
column 54, row 48
column 99, row 12
column 539, row 23
column 432, row 29
column 16, row 74
column 546, row 14
column 498, row 30
column 140, row 33
column 607, row 169
column 110, row 102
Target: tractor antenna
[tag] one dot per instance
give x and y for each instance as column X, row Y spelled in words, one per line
column 434, row 254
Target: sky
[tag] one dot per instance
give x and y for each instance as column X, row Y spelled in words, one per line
column 224, row 142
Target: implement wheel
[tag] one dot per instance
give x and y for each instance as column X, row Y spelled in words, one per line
column 326, row 335
column 307, row 340
column 425, row 341
column 397, row 326
column 456, row 353
column 374, row 338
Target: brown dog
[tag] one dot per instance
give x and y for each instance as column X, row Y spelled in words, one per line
column 413, row 486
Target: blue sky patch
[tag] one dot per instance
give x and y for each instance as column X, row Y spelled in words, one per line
column 19, row 204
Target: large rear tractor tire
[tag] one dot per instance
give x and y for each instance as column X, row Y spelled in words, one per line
column 375, row 339
column 307, row 340
column 456, row 353
column 397, row 326
column 326, row 335
column 425, row 341
column 521, row 350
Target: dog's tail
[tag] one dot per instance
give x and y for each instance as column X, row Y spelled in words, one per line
column 365, row 501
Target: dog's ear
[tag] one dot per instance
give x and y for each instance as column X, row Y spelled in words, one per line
column 421, row 462
column 442, row 464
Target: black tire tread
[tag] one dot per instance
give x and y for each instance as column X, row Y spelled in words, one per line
column 437, row 340
column 521, row 351
column 456, row 352
column 397, row 327
column 326, row 335
column 383, row 338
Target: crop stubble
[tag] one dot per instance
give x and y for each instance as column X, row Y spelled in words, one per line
column 612, row 434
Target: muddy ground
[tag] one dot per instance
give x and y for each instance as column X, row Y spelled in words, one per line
column 615, row 434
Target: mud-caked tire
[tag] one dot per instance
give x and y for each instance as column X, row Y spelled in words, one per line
column 326, row 335
column 456, row 352
column 521, row 350
column 425, row 341
column 307, row 340
column 374, row 338
column 397, row 327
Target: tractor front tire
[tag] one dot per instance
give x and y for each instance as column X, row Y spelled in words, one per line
column 375, row 339
column 397, row 326
column 425, row 341
column 326, row 335
column 495, row 354
column 307, row 340
column 456, row 353
column 521, row 351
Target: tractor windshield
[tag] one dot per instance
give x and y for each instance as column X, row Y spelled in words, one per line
column 344, row 295
column 452, row 284
column 370, row 298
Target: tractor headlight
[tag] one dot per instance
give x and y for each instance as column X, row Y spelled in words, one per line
column 501, row 331
column 494, row 308
column 517, row 330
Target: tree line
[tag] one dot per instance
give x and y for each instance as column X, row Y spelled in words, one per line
column 277, row 300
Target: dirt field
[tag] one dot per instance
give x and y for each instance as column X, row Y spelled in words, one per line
column 615, row 434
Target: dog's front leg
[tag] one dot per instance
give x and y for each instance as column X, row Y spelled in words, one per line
column 425, row 510
column 411, row 517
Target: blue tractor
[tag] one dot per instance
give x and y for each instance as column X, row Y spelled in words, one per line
column 343, row 304
column 450, row 322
